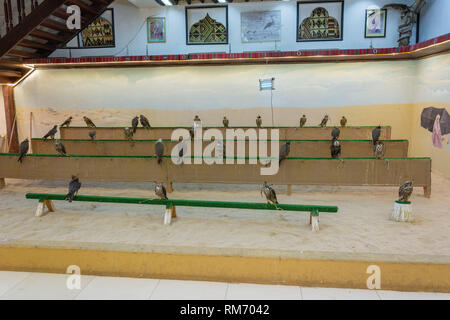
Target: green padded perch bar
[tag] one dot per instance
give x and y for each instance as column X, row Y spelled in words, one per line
column 45, row 200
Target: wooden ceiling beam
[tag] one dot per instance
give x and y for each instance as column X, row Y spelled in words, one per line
column 46, row 35
column 35, row 45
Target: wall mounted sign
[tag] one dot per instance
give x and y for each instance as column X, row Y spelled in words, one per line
column 261, row 26
column 156, row 29
column 207, row 25
column 375, row 23
column 320, row 21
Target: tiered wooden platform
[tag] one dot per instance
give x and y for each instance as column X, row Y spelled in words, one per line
column 111, row 158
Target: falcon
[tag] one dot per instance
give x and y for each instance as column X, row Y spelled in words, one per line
column 144, row 121
column 191, row 132
column 67, row 122
column 376, row 134
column 270, row 194
column 258, row 121
column 302, row 121
column 343, row 121
column 284, row 151
column 51, row 133
column 335, row 133
column 405, row 191
column 379, row 149
column 23, row 149
column 324, row 121
column 225, row 122
column 92, row 134
column 89, row 122
column 335, row 149
column 60, row 148
column 128, row 133
column 134, row 124
column 74, row 186
column 159, row 150
column 160, row 191
column 196, row 118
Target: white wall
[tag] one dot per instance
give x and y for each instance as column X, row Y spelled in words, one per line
column 131, row 32
column 434, row 19
column 2, row 114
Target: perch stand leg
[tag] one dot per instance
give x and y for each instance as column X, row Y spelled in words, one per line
column 174, row 212
column 289, row 189
column 314, row 220
column 2, row 183
column 50, row 205
column 427, row 191
column 168, row 215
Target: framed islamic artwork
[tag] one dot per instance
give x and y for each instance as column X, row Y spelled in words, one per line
column 206, row 25
column 320, row 21
column 261, row 26
column 98, row 34
column 156, row 29
column 375, row 23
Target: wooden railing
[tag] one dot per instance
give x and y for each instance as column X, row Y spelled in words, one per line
column 20, row 10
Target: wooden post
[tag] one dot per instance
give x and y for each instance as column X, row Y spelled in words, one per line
column 10, row 115
column 31, row 131
column 289, row 189
column 168, row 216
column 427, row 191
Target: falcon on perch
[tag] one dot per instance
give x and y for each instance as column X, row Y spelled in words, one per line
column 302, row 121
column 160, row 191
column 405, row 191
column 89, row 122
column 134, row 124
column 270, row 194
column 67, row 122
column 258, row 121
column 60, row 148
column 324, row 121
column 159, row 150
column 23, row 149
column 144, row 121
column 51, row 133
column 74, row 186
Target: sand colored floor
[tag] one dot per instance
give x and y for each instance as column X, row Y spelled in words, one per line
column 361, row 229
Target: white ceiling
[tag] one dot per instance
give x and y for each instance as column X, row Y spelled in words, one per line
column 144, row 3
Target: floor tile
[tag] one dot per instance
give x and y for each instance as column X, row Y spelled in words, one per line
column 191, row 290
column 114, row 288
column 41, row 286
column 398, row 295
column 243, row 291
column 9, row 279
column 338, row 294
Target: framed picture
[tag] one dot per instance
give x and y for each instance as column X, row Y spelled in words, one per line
column 320, row 21
column 375, row 23
column 206, row 25
column 261, row 26
column 156, row 29
column 98, row 34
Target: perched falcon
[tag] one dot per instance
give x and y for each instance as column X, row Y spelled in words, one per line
column 270, row 194
column 128, row 133
column 51, row 133
column 335, row 149
column 159, row 150
column 335, row 133
column 92, row 134
column 258, row 121
column 23, row 149
column 67, row 122
column 376, row 134
column 74, row 186
column 160, row 191
column 284, row 151
column 196, row 118
column 324, row 121
column 134, row 124
column 379, row 149
column 144, row 121
column 89, row 122
column 225, row 122
column 405, row 191
column 343, row 121
column 302, row 121
column 60, row 148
